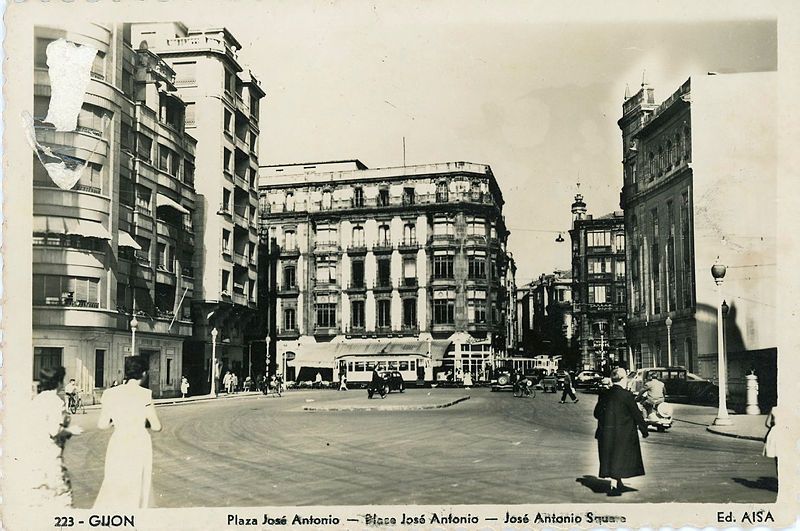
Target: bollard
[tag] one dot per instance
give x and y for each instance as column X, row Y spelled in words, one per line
column 752, row 395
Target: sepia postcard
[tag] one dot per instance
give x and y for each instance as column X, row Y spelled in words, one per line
column 399, row 265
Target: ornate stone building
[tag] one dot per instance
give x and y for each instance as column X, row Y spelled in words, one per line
column 405, row 266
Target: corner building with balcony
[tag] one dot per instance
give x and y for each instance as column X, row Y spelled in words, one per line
column 598, row 286
column 119, row 243
column 404, row 266
column 700, row 182
column 222, row 112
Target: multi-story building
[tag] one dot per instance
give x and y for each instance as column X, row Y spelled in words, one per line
column 700, row 183
column 405, row 266
column 222, row 113
column 598, row 286
column 114, row 250
column 545, row 311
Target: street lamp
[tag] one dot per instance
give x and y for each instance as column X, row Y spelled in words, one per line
column 214, row 361
column 668, row 322
column 134, row 326
column 718, row 272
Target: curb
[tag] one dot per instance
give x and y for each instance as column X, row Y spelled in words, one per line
column 388, row 408
column 715, row 431
column 184, row 401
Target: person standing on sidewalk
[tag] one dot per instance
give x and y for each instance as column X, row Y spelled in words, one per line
column 568, row 390
column 184, row 386
column 618, row 418
column 771, row 439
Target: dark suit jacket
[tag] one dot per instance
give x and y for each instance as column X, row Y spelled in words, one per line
column 618, row 418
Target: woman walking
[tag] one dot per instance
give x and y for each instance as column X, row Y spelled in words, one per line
column 129, row 458
column 184, row 386
column 47, row 482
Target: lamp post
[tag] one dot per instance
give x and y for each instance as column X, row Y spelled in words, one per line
column 668, row 322
column 214, row 361
column 134, row 326
column 718, row 272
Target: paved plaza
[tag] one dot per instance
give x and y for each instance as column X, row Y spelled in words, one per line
column 489, row 449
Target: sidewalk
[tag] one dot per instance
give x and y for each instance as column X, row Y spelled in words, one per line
column 190, row 399
column 743, row 426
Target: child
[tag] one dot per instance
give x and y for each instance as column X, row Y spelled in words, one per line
column 184, row 387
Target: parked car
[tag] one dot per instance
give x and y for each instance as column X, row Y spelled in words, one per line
column 549, row 383
column 394, row 380
column 680, row 385
column 586, row 379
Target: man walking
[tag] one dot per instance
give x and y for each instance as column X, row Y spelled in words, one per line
column 617, row 441
column 568, row 390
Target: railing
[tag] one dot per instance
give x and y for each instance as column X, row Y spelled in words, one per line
column 410, row 282
column 165, row 267
column 66, row 301
column 202, row 41
column 143, row 257
column 143, row 210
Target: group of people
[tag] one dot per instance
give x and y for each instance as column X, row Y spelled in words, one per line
column 128, row 468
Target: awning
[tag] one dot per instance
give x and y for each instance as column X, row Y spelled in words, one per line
column 126, row 240
column 392, row 348
column 319, row 355
column 80, row 227
column 162, row 200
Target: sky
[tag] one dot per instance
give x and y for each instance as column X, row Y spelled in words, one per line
column 535, row 97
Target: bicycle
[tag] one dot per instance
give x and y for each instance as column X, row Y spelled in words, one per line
column 75, row 402
column 524, row 388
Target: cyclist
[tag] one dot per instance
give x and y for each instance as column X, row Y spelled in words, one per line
column 71, row 391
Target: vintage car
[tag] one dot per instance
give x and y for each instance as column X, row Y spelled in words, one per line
column 394, row 380
column 680, row 385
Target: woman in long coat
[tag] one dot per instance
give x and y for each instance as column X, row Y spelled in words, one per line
column 617, row 441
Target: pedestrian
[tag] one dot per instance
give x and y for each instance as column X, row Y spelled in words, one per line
column 771, row 439
column 234, row 382
column 129, row 459
column 226, row 382
column 343, row 382
column 318, row 380
column 568, row 390
column 467, row 380
column 184, row 386
column 618, row 418
column 46, row 481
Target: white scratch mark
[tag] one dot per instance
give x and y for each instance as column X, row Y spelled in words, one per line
column 70, row 68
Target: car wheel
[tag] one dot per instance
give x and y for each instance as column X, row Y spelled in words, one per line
column 503, row 379
column 402, row 388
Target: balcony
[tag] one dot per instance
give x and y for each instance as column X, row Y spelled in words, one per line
column 409, row 284
column 288, row 290
column 241, row 259
column 287, row 252
column 142, row 257
column 383, row 284
column 326, row 247
column 66, row 301
column 356, row 287
column 225, row 210
column 408, row 246
column 200, row 43
column 357, row 248
column 384, row 246
column 240, row 219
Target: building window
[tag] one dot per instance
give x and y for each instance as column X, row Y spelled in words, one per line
column 144, row 147
column 327, row 200
column 651, row 159
column 226, row 160
column 99, row 367
column 409, row 271
column 670, row 258
column 619, row 242
column 384, row 236
column 383, row 197
column 444, row 311
column 443, row 227
column 289, row 242
column 686, row 251
column 290, row 202
column 290, row 319
column 475, row 190
column 326, row 315
column 358, row 237
column 58, row 290
column 655, row 263
column 357, row 314
column 46, row 358
column 226, row 201
column 226, row 241
column 408, row 196
column 619, row 296
column 597, row 266
column 476, row 306
column 619, row 273
column 476, row 227
column 327, row 236
column 357, row 274
column 598, row 239
column 443, row 266
column 476, row 265
column 326, row 271
column 409, row 234
column 597, row 294
column 384, row 272
column 687, row 143
column 409, row 313
column 384, row 313
column 226, row 278
column 358, row 197
column 289, row 280
column 441, row 192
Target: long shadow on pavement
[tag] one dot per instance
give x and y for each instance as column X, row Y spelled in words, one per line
column 597, row 485
column 765, row 483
